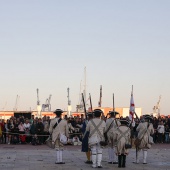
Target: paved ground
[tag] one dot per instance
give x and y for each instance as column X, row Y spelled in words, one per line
column 28, row 157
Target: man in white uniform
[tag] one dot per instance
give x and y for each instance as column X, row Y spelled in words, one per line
column 144, row 129
column 111, row 126
column 96, row 127
column 58, row 126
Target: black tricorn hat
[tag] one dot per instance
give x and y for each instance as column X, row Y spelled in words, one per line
column 90, row 114
column 97, row 112
column 113, row 113
column 58, row 111
column 148, row 117
column 124, row 122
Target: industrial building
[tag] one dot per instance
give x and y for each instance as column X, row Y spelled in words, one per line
column 123, row 111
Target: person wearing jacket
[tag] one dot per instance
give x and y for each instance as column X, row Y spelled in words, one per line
column 111, row 126
column 58, row 126
column 85, row 146
column 40, row 130
column 144, row 129
column 122, row 138
column 96, row 128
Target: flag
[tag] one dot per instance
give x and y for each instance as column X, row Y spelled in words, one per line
column 132, row 108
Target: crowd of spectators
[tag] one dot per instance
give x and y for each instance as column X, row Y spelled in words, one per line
column 24, row 130
column 35, row 130
column 162, row 130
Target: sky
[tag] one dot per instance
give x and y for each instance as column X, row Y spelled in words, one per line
column 48, row 44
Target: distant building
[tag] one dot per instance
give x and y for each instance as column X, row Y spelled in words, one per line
column 123, row 111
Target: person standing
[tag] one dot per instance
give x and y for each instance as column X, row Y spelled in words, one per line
column 96, row 128
column 40, row 130
column 122, row 138
column 46, row 129
column 58, row 126
column 111, row 126
column 161, row 131
column 85, row 146
column 27, row 127
column 144, row 129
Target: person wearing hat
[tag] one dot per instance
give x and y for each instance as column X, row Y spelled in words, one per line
column 144, row 129
column 122, row 138
column 58, row 126
column 96, row 128
column 85, row 146
column 111, row 126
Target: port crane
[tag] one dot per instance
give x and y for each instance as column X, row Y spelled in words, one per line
column 38, row 105
column 47, row 105
column 38, row 101
column 79, row 107
column 69, row 102
column 16, row 103
column 156, row 108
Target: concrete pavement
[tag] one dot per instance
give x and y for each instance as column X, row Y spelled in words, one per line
column 28, row 157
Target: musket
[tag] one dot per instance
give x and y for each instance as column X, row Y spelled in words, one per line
column 84, row 106
column 137, row 116
column 100, row 98
column 114, row 109
column 90, row 102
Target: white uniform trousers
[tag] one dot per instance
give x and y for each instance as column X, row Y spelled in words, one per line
column 96, row 155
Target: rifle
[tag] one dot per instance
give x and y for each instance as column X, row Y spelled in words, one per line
column 137, row 116
column 90, row 103
column 84, row 106
column 114, row 109
column 100, row 98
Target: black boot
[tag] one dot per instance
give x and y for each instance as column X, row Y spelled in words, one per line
column 119, row 161
column 124, row 161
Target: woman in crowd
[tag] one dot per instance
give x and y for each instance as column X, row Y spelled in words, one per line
column 27, row 127
column 11, row 130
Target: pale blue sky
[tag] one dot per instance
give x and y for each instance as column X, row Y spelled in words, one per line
column 47, row 44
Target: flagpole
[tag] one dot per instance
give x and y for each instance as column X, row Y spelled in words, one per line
column 133, row 110
column 113, row 103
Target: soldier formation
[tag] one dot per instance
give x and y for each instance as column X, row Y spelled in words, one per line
column 98, row 133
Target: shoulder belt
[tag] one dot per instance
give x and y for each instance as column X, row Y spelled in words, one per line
column 122, row 134
column 56, row 123
column 144, row 131
column 96, row 128
column 110, row 126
